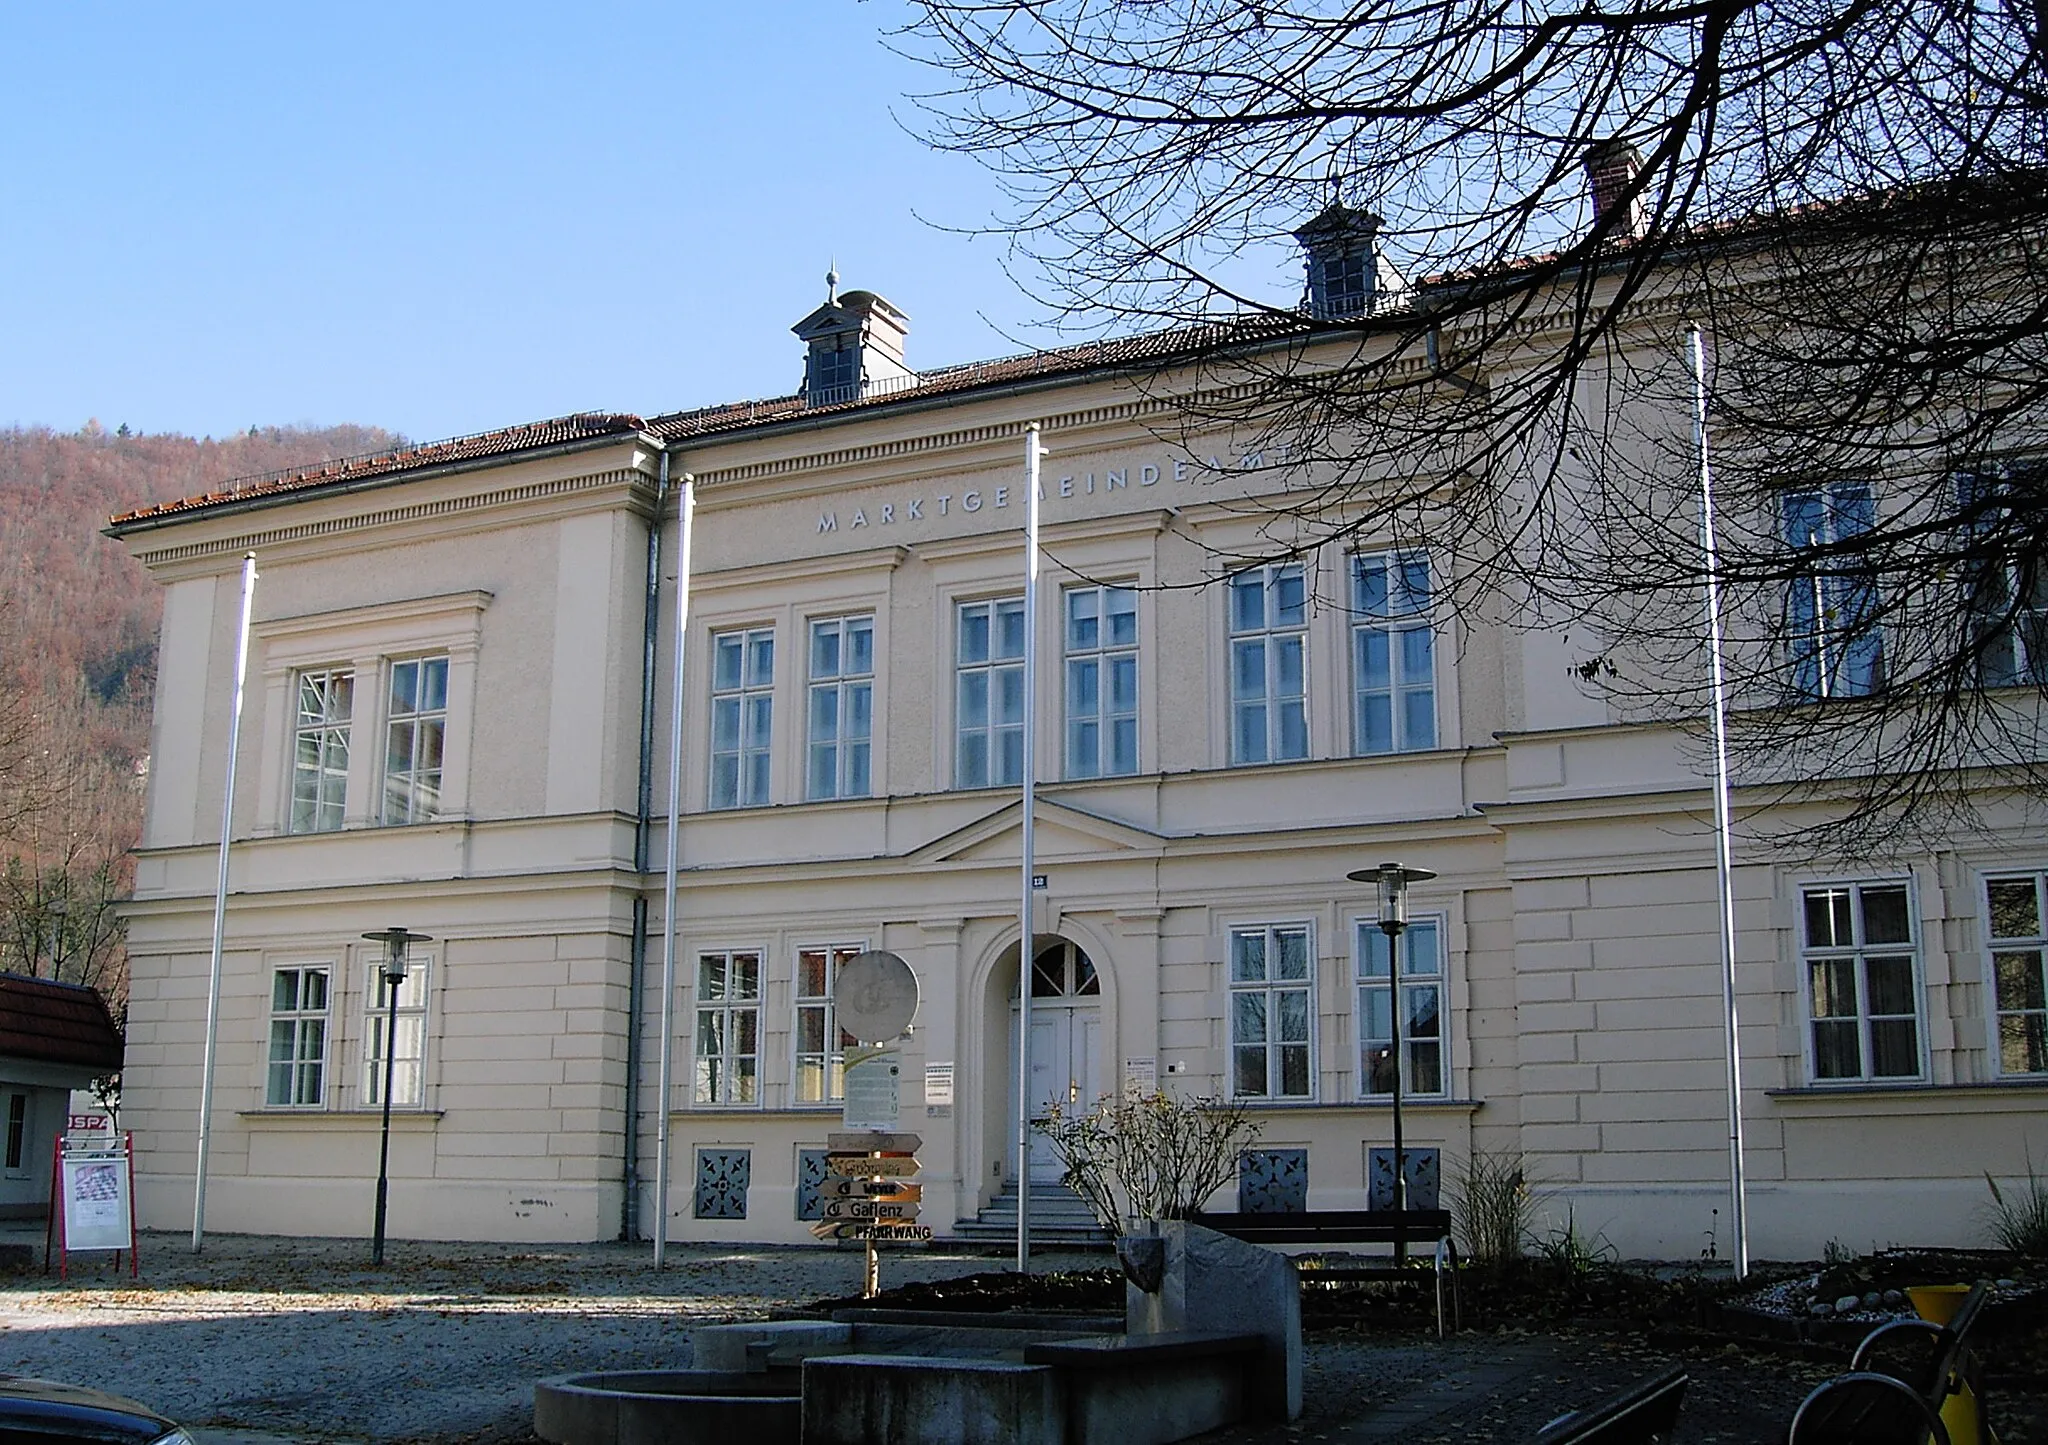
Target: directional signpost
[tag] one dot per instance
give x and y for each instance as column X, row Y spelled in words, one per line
column 866, row 1196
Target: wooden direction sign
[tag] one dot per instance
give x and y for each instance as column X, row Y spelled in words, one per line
column 864, row 1166
column 873, row 1142
column 882, row 1233
column 869, row 1189
column 867, row 1209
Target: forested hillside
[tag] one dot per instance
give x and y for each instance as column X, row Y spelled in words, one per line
column 78, row 629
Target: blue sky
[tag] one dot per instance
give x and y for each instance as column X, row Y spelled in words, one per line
column 451, row 217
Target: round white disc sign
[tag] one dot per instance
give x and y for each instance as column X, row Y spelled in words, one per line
column 875, row 997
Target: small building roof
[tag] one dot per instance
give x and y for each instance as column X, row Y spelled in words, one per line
column 57, row 1023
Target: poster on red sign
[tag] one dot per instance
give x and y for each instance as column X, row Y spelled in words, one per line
column 92, row 1198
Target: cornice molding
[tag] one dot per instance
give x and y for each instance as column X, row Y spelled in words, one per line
column 272, row 538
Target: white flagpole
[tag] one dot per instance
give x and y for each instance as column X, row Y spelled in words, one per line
column 1025, row 939
column 1723, row 828
column 686, row 506
column 220, row 912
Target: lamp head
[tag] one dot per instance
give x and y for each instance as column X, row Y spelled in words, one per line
column 1393, row 880
column 396, row 941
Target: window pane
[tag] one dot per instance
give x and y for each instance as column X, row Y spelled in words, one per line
column 1890, row 985
column 1083, row 628
column 1294, row 1071
column 725, row 667
column 1121, row 607
column 2019, row 983
column 405, row 677
column 1123, row 684
column 2015, row 909
column 1293, row 953
column 1290, row 597
column 1827, row 918
column 1885, row 916
column 1248, row 669
column 824, row 649
column 2023, row 1044
column 1423, row 1014
column 1293, row 730
column 760, row 658
column 1418, row 719
column 1835, row 1051
column 1293, row 1015
column 1834, row 988
column 1250, row 1075
column 860, row 646
column 1369, row 586
column 1420, row 955
column 1247, row 602
column 1248, row 1017
column 1010, row 629
column 1427, row 1063
column 1372, row 951
column 1247, row 957
column 974, row 633
column 1894, row 1049
column 434, row 685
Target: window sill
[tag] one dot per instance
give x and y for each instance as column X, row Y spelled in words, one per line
column 1865, row 1101
column 1431, row 1102
column 406, row 1120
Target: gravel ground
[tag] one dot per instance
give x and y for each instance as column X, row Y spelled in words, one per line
column 300, row 1341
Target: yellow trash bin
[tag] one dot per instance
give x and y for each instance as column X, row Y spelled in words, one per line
column 1937, row 1304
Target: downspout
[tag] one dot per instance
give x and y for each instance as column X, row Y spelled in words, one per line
column 636, row 991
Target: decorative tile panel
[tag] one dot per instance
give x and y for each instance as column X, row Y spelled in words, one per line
column 810, row 1173
column 1272, row 1181
column 1425, row 1178
column 722, row 1176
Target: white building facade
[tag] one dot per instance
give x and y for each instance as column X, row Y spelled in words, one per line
column 457, row 722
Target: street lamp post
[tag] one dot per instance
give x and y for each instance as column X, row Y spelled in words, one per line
column 1393, row 880
column 396, row 941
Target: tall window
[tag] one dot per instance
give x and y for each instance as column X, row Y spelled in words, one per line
column 1268, row 662
column 1102, row 681
column 320, row 750
column 2019, row 972
column 742, row 716
column 1272, row 1009
column 2006, row 585
column 17, row 1130
column 1831, row 602
column 408, row 1072
column 298, row 1037
column 989, row 694
column 842, row 706
column 1393, row 653
column 413, row 737
column 1422, row 1011
column 835, row 370
column 728, row 1028
column 820, row 1044
column 1863, row 989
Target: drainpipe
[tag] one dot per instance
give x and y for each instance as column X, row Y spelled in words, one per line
column 636, row 992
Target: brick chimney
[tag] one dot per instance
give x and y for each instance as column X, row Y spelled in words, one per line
column 1611, row 165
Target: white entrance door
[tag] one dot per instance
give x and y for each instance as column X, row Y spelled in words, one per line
column 1066, row 1022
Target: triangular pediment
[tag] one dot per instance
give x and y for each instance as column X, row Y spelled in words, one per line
column 1062, row 832
column 826, row 321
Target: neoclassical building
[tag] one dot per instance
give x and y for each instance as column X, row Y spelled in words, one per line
column 456, row 722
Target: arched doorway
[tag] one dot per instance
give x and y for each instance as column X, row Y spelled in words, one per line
column 1066, row 1027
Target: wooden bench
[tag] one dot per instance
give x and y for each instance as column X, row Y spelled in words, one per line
column 1883, row 1398
column 1643, row 1414
column 1356, row 1226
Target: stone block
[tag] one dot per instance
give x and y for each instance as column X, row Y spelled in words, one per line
column 736, row 1348
column 1222, row 1285
column 923, row 1400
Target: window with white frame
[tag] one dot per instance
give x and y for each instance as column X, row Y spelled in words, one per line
column 1832, row 622
column 326, row 703
column 841, row 708
column 415, row 729
column 298, row 1037
column 1101, row 625
column 1269, row 664
column 728, row 1045
column 1272, row 1012
column 1424, row 1062
column 2019, row 971
column 2005, row 586
column 1861, row 959
column 988, row 706
column 408, row 1059
column 742, row 716
column 1393, row 653
column 17, row 1132
column 821, row 1045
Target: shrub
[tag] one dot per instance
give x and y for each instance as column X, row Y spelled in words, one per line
column 2019, row 1221
column 1148, row 1155
column 1490, row 1206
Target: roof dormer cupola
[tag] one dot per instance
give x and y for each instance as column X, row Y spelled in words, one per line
column 856, row 347
column 1346, row 275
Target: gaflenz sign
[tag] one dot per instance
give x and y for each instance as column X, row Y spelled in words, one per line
column 931, row 505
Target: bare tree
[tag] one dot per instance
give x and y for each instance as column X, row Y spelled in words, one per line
column 1849, row 200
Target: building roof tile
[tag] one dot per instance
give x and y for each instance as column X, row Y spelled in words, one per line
column 57, row 1023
